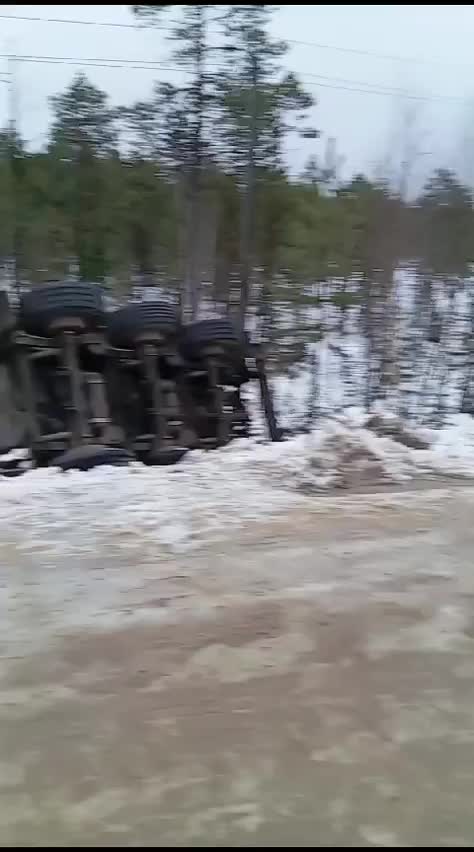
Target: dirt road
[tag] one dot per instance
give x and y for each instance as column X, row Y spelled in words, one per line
column 304, row 681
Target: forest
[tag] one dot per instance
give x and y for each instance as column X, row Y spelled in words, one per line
column 190, row 190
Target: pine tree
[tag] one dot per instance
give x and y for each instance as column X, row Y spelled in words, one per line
column 83, row 133
column 189, row 134
column 260, row 102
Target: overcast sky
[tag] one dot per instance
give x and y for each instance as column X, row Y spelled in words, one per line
column 423, row 50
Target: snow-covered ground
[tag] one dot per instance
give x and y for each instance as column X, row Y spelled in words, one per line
column 176, row 507
column 180, row 506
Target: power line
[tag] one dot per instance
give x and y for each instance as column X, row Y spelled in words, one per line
column 157, row 64
column 386, row 93
column 85, row 62
column 392, row 57
column 75, row 22
column 320, row 80
column 374, row 54
column 60, row 59
column 388, row 90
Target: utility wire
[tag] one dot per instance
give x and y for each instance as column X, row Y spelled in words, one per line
column 39, row 57
column 98, row 63
column 76, row 21
column 388, row 94
column 388, row 90
column 320, row 80
column 393, row 57
column 374, row 54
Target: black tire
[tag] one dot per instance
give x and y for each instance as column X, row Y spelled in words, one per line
column 11, row 473
column 90, row 456
column 205, row 332
column 42, row 307
column 127, row 324
column 167, row 456
column 221, row 332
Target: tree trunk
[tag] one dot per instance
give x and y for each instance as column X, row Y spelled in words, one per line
column 192, row 284
column 249, row 201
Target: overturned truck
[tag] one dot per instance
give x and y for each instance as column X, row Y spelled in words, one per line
column 94, row 386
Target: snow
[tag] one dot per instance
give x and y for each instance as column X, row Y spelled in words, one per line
column 169, row 507
column 19, row 454
column 80, row 549
column 452, row 449
column 294, row 391
column 178, row 507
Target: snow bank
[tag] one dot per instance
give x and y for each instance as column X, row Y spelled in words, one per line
column 452, row 448
column 91, row 548
column 175, row 508
column 139, row 506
